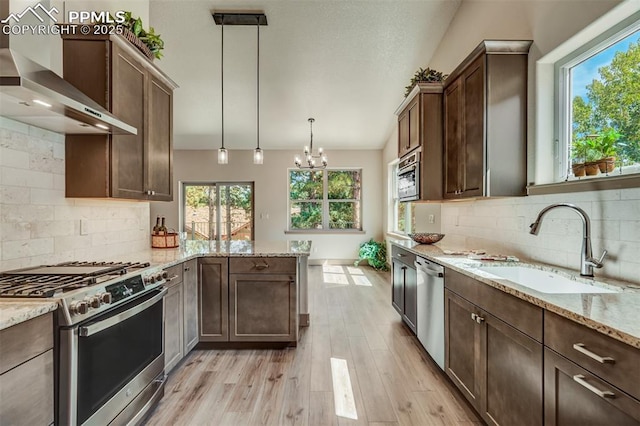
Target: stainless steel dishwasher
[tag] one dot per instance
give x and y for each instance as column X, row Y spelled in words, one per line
column 430, row 294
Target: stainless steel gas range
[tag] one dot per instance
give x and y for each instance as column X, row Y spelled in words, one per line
column 109, row 337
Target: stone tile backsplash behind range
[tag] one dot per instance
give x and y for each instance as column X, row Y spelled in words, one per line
column 502, row 226
column 38, row 225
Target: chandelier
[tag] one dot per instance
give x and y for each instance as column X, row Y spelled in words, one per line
column 309, row 157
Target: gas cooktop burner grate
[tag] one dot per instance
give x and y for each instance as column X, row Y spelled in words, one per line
column 52, row 280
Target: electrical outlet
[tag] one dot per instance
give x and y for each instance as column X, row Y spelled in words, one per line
column 432, row 218
column 84, row 227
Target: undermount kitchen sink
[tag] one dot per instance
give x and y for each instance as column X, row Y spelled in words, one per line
column 542, row 281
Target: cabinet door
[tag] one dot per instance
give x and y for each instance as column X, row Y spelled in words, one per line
column 410, row 314
column 473, row 135
column 462, row 346
column 263, row 307
column 190, row 307
column 452, row 138
column 511, row 385
column 571, row 397
column 128, row 94
column 160, row 142
column 173, row 314
column 403, row 134
column 414, row 125
column 397, row 292
column 213, row 299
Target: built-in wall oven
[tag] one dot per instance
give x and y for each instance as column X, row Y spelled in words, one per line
column 408, row 178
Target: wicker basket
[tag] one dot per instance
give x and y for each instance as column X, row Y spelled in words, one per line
column 168, row 240
column 139, row 44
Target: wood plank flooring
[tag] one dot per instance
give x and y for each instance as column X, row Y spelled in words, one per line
column 393, row 381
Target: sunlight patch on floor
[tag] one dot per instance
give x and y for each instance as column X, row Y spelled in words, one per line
column 343, row 399
column 361, row 280
column 355, row 271
column 334, row 269
column 335, row 279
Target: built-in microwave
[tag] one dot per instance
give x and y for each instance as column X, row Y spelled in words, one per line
column 409, row 177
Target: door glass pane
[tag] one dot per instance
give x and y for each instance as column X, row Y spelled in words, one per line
column 221, row 211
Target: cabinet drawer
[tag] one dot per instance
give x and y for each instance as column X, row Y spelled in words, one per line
column 269, row 265
column 24, row 341
column 402, row 255
column 515, row 312
column 582, row 345
column 174, row 274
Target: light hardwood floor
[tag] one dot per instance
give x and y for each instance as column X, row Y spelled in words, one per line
column 393, row 381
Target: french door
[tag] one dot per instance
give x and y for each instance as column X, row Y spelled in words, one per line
column 220, row 211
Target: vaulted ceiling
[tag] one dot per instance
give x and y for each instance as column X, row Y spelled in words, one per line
column 345, row 63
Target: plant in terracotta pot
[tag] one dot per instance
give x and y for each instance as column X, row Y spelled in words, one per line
column 607, row 149
column 585, row 149
column 424, row 76
column 578, row 154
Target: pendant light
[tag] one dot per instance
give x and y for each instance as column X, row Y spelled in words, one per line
column 258, row 156
column 223, row 155
column 309, row 156
column 240, row 18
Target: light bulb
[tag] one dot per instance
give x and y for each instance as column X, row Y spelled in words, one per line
column 297, row 161
column 306, row 150
column 223, row 156
column 320, row 151
column 258, row 157
column 324, row 161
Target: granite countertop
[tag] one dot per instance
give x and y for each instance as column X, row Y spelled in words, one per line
column 614, row 314
column 15, row 311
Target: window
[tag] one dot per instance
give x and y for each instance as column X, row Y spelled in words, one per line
column 402, row 215
column 598, row 99
column 325, row 199
column 217, row 211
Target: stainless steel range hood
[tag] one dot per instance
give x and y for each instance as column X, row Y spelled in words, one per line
column 33, row 94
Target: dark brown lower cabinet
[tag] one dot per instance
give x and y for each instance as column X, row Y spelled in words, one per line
column 574, row 396
column 496, row 367
column 213, row 299
column 262, row 308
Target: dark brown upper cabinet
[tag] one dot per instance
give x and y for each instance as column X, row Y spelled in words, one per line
column 485, row 122
column 117, row 76
column 420, row 129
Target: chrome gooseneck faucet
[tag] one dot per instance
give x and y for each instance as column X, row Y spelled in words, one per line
column 587, row 262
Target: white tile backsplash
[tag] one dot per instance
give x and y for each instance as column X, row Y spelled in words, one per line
column 38, row 225
column 502, row 226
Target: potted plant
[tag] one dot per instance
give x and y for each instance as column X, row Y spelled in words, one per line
column 147, row 41
column 607, row 149
column 585, row 156
column 424, row 76
column 375, row 253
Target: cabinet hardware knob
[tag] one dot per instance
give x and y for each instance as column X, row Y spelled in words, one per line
column 479, row 319
column 580, row 347
column 580, row 379
column 473, row 316
column 187, row 269
column 401, row 255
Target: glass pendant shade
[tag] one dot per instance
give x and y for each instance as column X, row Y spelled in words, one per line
column 223, row 156
column 258, row 157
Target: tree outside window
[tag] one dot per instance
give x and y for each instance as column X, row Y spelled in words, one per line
column 605, row 109
column 325, row 199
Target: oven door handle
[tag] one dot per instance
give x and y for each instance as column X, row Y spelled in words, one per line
column 88, row 330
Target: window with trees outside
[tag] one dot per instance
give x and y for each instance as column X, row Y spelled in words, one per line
column 218, row 211
column 599, row 126
column 326, row 199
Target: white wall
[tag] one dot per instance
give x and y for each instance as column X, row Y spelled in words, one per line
column 38, row 225
column 501, row 225
column 270, row 194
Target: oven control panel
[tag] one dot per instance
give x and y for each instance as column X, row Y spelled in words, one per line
column 100, row 298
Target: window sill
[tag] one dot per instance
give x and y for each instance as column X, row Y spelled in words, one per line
column 325, row 231
column 593, row 184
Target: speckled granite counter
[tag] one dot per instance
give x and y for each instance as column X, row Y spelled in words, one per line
column 14, row 311
column 613, row 314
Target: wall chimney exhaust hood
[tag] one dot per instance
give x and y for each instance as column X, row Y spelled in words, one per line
column 35, row 95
